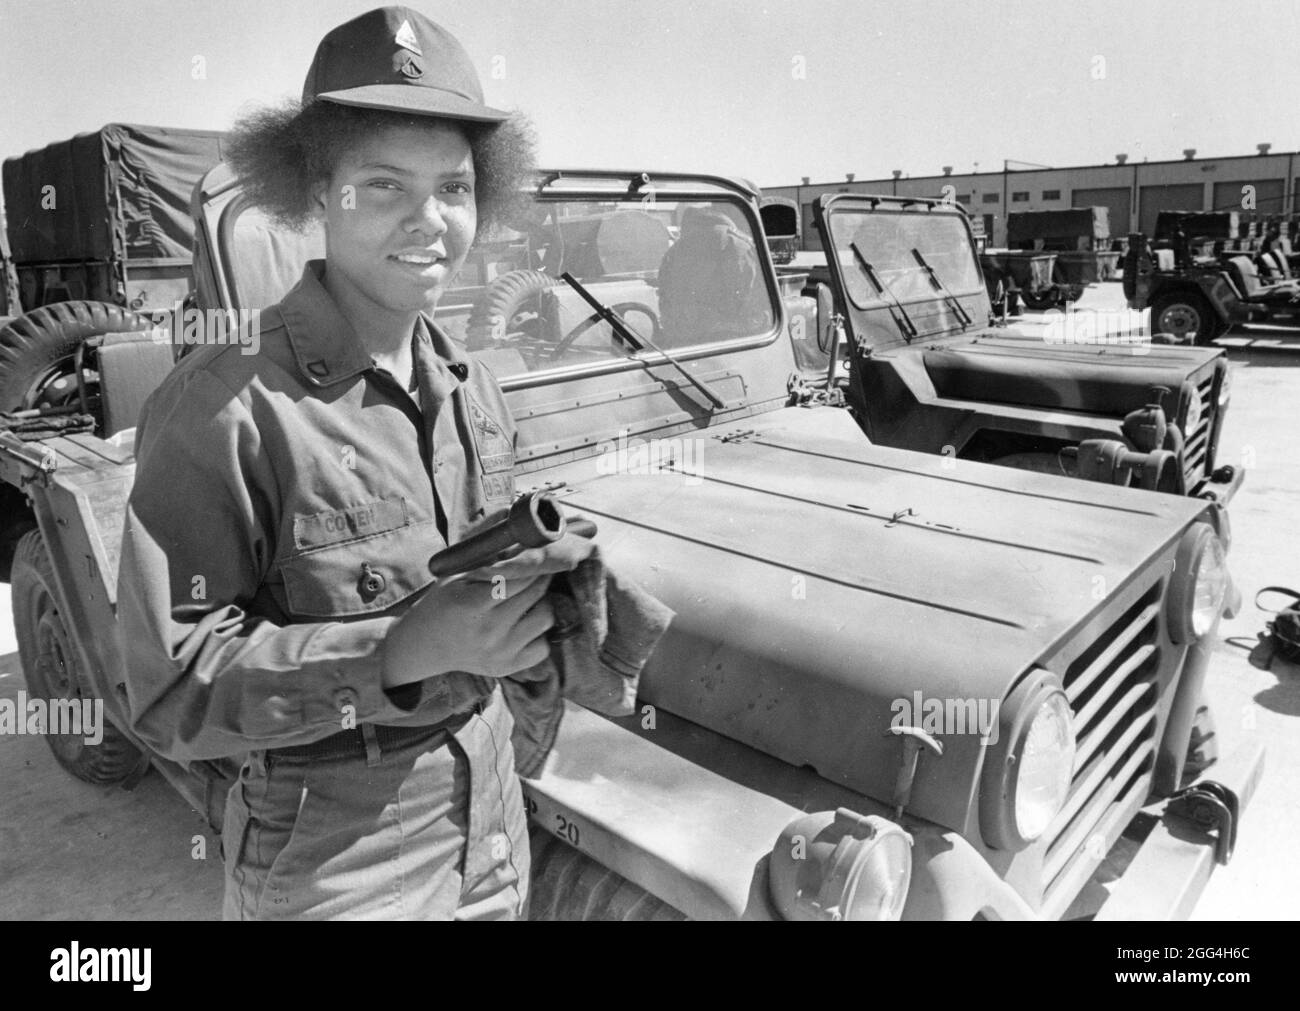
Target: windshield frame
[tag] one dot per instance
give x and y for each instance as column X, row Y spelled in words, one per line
column 851, row 204
column 642, row 188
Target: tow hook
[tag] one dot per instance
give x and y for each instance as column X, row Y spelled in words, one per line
column 1211, row 807
column 913, row 738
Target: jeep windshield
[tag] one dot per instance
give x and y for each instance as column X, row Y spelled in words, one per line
column 685, row 273
column 675, row 256
column 921, row 261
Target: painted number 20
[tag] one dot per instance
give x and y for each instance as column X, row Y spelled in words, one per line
column 566, row 829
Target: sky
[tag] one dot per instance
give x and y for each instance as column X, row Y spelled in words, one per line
column 772, row 91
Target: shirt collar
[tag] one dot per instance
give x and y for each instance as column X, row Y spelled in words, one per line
column 445, row 356
column 328, row 350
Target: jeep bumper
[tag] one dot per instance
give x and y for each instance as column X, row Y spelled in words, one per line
column 700, row 840
column 1162, row 881
column 1222, row 485
column 1169, row 872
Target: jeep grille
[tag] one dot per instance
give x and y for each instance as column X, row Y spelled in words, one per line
column 1196, row 443
column 1113, row 691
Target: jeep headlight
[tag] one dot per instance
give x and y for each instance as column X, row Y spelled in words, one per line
column 1199, row 584
column 1044, row 767
column 841, row 866
column 1029, row 766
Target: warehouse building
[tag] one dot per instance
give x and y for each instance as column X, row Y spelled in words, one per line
column 1134, row 192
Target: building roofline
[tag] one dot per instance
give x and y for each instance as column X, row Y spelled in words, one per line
column 889, row 180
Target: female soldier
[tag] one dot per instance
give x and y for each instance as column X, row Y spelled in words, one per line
column 286, row 503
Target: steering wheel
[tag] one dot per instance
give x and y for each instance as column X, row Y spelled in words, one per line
column 624, row 309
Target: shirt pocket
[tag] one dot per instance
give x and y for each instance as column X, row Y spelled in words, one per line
column 364, row 575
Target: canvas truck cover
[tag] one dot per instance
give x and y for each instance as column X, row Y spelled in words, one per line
column 1197, row 225
column 120, row 192
column 1093, row 222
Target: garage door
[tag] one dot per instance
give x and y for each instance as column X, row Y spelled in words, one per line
column 811, row 237
column 1118, row 200
column 1268, row 195
column 1154, row 199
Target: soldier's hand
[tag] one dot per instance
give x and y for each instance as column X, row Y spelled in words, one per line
column 494, row 628
column 563, row 555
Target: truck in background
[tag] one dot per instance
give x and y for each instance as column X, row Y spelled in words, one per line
column 1052, row 256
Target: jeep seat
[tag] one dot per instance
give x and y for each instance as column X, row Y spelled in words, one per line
column 1246, row 278
column 131, row 365
column 267, row 260
column 1276, row 265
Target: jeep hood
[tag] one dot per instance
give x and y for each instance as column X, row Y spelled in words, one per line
column 1009, row 366
column 817, row 579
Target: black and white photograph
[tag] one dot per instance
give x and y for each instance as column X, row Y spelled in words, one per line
column 709, row 460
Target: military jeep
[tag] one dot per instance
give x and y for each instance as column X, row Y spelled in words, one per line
column 1199, row 275
column 930, row 369
column 801, row 749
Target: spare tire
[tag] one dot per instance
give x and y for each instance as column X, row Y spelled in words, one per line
column 38, row 348
column 504, row 308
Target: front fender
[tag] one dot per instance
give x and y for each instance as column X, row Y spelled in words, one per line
column 951, row 881
column 1220, row 294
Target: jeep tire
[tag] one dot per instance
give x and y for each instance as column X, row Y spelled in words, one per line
column 52, row 669
column 38, row 348
column 1039, row 301
column 509, row 305
column 1181, row 312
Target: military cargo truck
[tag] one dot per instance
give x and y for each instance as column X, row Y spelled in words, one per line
column 1080, row 236
column 104, row 216
column 1028, row 275
column 98, row 240
column 1052, row 256
column 809, row 742
column 781, row 227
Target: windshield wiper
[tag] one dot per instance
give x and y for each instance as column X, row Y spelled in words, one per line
column 619, row 326
column 948, row 296
column 905, row 325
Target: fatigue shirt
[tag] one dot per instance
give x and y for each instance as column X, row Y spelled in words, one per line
column 284, row 510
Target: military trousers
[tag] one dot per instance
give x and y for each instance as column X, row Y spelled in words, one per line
column 429, row 831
